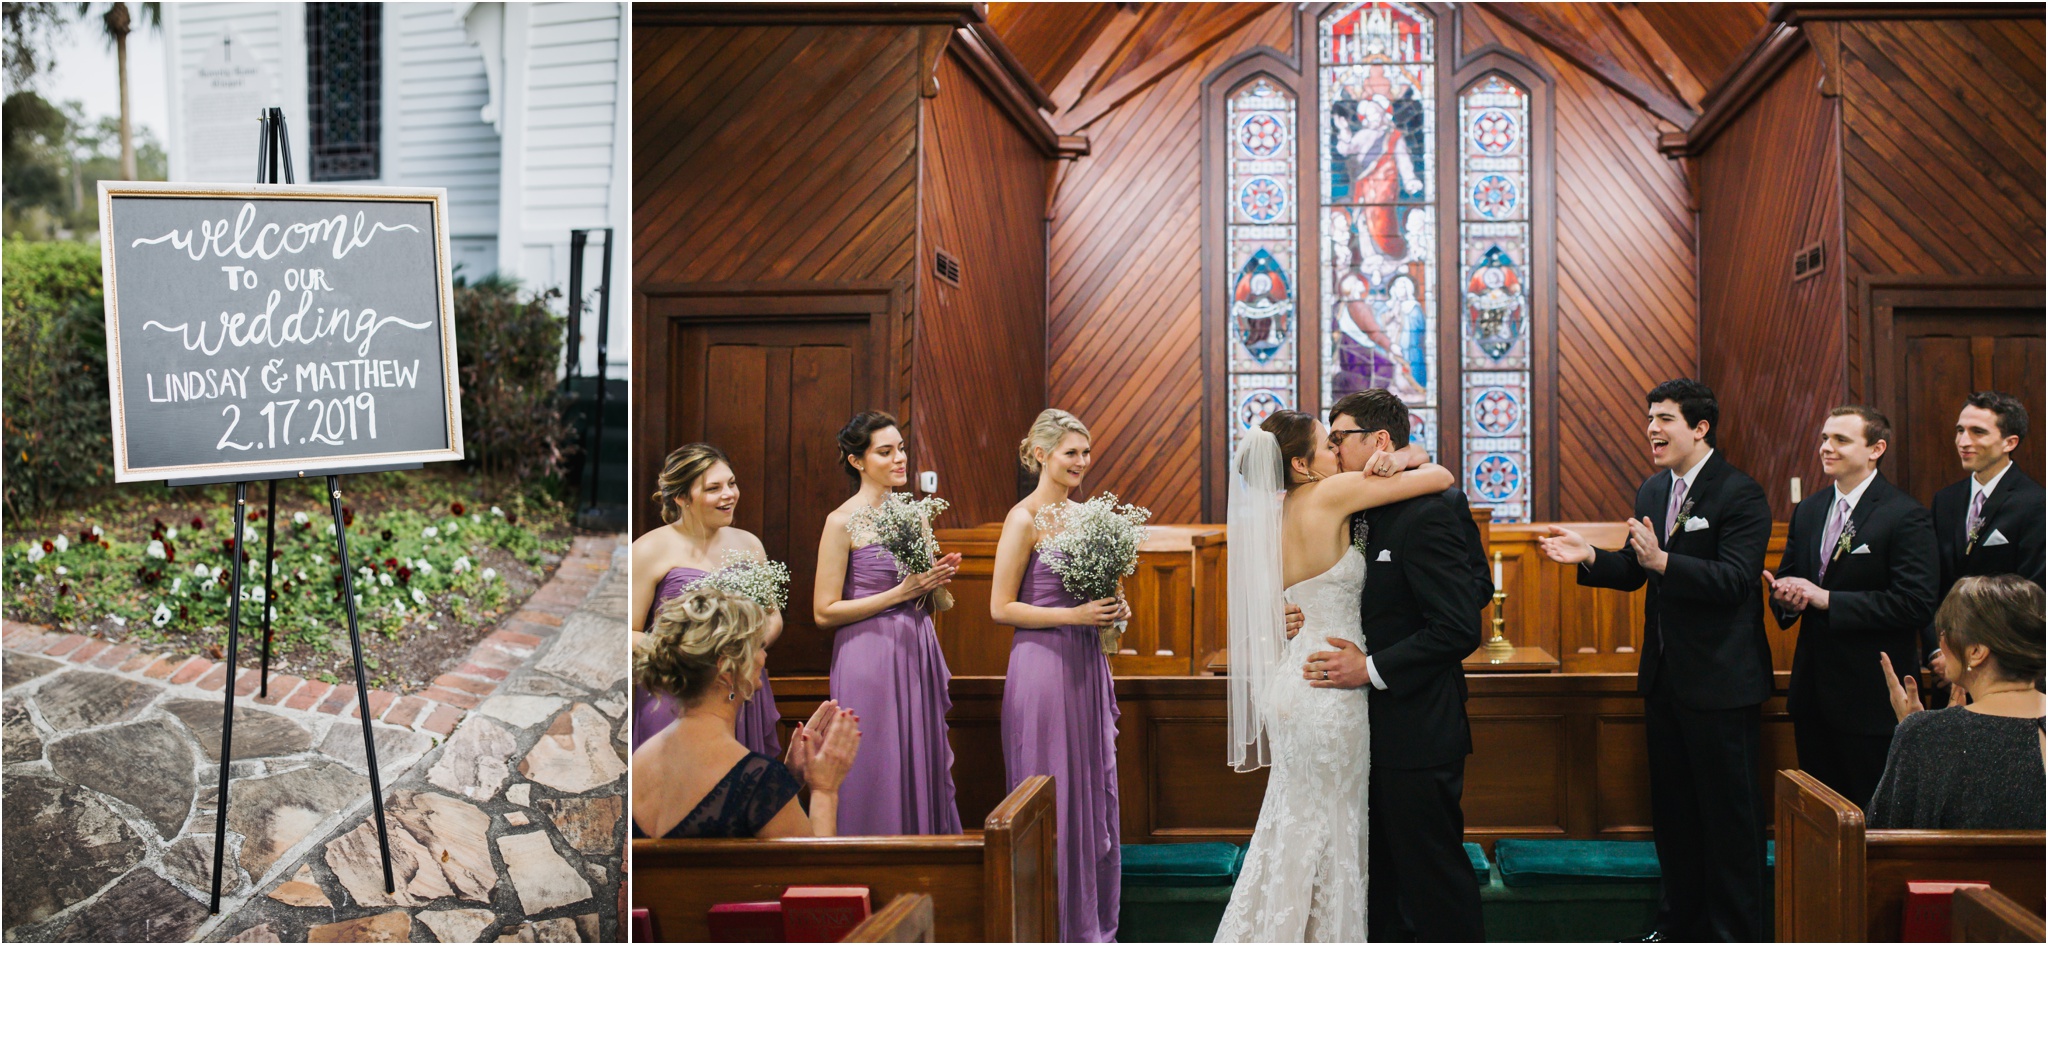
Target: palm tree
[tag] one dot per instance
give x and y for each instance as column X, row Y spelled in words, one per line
column 116, row 23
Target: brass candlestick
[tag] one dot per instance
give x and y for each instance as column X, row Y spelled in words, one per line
column 1498, row 648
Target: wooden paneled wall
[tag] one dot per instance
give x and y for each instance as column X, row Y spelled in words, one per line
column 1125, row 323
column 1772, row 347
column 980, row 367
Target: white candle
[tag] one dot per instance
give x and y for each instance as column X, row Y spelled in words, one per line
column 1496, row 573
column 1795, row 489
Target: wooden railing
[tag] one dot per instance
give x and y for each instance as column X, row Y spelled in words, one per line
column 906, row 919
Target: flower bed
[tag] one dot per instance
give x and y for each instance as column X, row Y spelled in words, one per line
column 433, row 572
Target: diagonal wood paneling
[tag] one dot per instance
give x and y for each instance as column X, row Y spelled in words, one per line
column 1049, row 38
column 1942, row 152
column 1706, row 37
column 980, row 360
column 1124, row 297
column 1626, row 316
column 1772, row 348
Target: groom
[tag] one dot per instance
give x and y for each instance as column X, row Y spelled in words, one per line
column 1425, row 578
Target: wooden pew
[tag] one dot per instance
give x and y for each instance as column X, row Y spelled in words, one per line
column 997, row 885
column 1837, row 882
column 906, row 919
column 1989, row 916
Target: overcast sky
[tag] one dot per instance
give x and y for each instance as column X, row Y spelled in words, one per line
column 85, row 72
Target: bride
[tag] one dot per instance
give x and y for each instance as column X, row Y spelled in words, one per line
column 1304, row 876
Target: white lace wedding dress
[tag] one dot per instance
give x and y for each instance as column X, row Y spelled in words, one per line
column 1304, row 876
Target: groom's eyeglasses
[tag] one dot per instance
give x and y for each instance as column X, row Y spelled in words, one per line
column 1338, row 435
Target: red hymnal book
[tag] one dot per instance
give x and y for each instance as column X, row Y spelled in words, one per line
column 747, row 922
column 1928, row 906
column 822, row 913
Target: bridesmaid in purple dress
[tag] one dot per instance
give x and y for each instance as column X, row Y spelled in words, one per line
column 1059, row 705
column 886, row 663
column 698, row 495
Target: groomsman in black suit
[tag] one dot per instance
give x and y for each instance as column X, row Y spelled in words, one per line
column 1697, row 541
column 1858, row 575
column 1991, row 522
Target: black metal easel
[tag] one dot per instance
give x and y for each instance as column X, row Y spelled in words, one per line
column 273, row 146
column 579, row 239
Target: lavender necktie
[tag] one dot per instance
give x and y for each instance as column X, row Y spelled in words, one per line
column 1677, row 502
column 1832, row 535
column 1976, row 518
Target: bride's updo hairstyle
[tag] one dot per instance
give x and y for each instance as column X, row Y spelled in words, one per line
column 685, row 465
column 701, row 634
column 1296, row 434
column 859, row 434
column 1046, row 432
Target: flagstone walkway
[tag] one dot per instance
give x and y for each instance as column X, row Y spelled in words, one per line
column 504, row 788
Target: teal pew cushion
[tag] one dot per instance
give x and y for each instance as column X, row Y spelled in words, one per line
column 1528, row 862
column 1185, row 865
column 1480, row 868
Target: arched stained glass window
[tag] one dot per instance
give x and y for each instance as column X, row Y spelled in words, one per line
column 1376, row 82
column 1261, row 327
column 1494, row 316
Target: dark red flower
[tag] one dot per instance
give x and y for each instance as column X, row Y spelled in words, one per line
column 63, row 590
column 287, row 587
column 391, row 564
column 86, row 537
column 183, row 613
column 348, row 516
column 511, row 519
column 245, row 555
column 48, row 548
column 404, row 575
column 159, row 523
column 170, row 553
column 198, row 523
column 386, row 535
column 276, row 554
column 228, row 545
column 256, row 515
column 456, row 508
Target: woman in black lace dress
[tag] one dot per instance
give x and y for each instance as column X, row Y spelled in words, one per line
column 1974, row 766
column 694, row 779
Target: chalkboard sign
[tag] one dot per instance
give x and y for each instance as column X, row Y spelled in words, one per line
column 277, row 330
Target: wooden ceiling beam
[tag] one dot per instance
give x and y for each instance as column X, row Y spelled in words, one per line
column 1108, row 40
column 1184, row 47
column 1577, row 50
column 1760, row 65
column 1657, row 51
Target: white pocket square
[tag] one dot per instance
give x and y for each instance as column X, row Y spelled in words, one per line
column 1861, row 549
column 1995, row 540
column 1695, row 523
column 1386, row 555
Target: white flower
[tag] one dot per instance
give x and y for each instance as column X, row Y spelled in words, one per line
column 489, row 574
column 62, row 542
column 461, row 563
column 451, row 528
column 176, row 584
column 118, row 619
column 300, row 575
column 202, row 570
column 208, row 586
column 299, row 518
column 359, row 598
column 61, row 571
column 419, row 596
column 430, row 533
column 97, row 532
column 155, row 550
column 257, row 593
column 162, row 616
column 35, row 553
column 365, row 571
column 398, row 607
column 425, row 568
column 330, row 529
column 384, row 579
column 497, row 511
column 319, row 560
column 217, row 571
column 171, row 534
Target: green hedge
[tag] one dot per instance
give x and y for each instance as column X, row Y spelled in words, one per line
column 57, row 440
column 58, row 443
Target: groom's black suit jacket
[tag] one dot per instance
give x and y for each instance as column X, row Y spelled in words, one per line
column 2013, row 511
column 1881, row 592
column 1420, row 619
column 1703, row 619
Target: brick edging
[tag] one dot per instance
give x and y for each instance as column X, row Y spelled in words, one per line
column 437, row 709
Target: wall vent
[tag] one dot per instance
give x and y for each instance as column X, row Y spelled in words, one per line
column 1807, row 262
column 946, row 266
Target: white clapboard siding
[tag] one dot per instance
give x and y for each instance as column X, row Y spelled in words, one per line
column 433, row 112
column 274, row 35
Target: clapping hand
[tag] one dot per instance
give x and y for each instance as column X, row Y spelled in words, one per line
column 1796, row 594
column 838, row 741
column 1904, row 689
column 1643, row 540
column 808, row 738
column 1565, row 546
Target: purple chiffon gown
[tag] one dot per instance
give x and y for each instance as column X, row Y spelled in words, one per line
column 888, row 669
column 652, row 714
column 1059, row 719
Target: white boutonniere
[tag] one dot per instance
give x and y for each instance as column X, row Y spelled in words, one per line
column 1846, row 541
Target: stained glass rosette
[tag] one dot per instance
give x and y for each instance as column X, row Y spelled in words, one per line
column 1494, row 313
column 1263, row 313
column 1376, row 110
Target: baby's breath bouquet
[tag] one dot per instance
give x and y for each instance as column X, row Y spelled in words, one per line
column 903, row 527
column 1092, row 546
column 764, row 581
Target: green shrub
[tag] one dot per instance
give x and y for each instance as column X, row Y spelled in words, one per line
column 509, row 347
column 57, row 438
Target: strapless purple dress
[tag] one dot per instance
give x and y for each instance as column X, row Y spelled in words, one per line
column 888, row 669
column 652, row 714
column 1059, row 719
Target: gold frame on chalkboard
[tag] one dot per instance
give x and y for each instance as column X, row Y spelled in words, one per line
column 303, row 466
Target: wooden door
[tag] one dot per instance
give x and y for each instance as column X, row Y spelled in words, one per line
column 1942, row 356
column 773, row 396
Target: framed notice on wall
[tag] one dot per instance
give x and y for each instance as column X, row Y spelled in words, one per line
column 259, row 331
